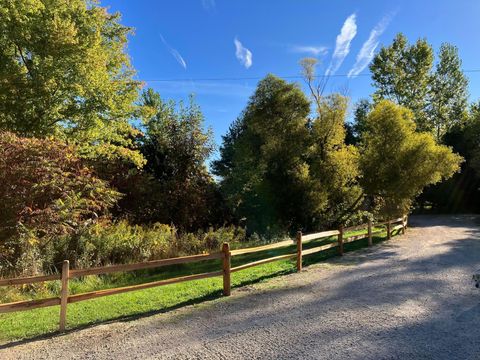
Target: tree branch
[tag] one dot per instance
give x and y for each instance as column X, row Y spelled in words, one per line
column 25, row 63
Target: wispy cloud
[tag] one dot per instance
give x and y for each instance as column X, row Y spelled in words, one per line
column 367, row 52
column 312, row 50
column 174, row 53
column 243, row 54
column 342, row 44
column 209, row 5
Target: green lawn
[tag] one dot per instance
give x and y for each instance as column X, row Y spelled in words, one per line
column 32, row 323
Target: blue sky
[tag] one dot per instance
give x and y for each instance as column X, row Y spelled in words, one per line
column 195, row 43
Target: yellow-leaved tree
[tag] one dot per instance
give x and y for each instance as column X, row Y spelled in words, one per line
column 397, row 162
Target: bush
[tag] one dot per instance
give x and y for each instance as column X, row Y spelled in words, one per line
column 106, row 242
column 46, row 192
column 214, row 238
column 118, row 242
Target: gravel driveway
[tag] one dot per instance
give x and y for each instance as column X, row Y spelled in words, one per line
column 409, row 298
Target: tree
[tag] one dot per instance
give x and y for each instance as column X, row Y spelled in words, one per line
column 437, row 96
column 333, row 163
column 46, row 191
column 448, row 93
column 64, row 72
column 401, row 73
column 176, row 147
column 280, row 168
column 264, row 175
column 467, row 140
column 315, row 85
column 397, row 162
column 223, row 166
column 362, row 108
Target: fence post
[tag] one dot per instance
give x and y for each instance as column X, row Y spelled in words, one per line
column 64, row 294
column 299, row 251
column 340, row 240
column 370, row 243
column 226, row 269
column 389, row 234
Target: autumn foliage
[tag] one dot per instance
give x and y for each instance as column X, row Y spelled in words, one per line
column 46, row 191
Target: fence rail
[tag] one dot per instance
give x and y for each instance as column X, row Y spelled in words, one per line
column 29, row 280
column 225, row 254
column 142, row 266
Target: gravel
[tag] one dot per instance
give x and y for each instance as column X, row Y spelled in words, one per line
column 408, row 298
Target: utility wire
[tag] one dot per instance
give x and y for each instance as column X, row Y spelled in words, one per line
column 258, row 77
column 261, row 77
column 245, row 78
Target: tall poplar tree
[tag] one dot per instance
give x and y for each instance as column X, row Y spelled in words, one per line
column 448, row 92
column 401, row 73
column 437, row 95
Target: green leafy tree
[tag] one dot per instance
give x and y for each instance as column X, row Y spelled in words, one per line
column 362, row 108
column 397, row 162
column 448, row 93
column 264, row 174
column 401, row 73
column 223, row 166
column 437, row 95
column 460, row 193
column 176, row 147
column 64, row 71
column 465, row 138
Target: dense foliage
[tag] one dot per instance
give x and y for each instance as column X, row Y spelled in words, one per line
column 405, row 74
column 46, row 192
column 176, row 147
column 120, row 242
column 397, row 162
column 401, row 73
column 264, row 175
column 461, row 193
column 333, row 162
column 64, row 72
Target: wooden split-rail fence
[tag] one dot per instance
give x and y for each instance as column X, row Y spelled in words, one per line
column 225, row 254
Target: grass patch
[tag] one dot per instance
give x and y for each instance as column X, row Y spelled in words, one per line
column 37, row 322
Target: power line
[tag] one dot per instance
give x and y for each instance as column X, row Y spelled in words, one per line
column 261, row 77
column 243, row 78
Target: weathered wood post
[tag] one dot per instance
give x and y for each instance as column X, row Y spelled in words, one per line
column 299, row 251
column 340, row 240
column 389, row 234
column 226, row 269
column 64, row 294
column 370, row 242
